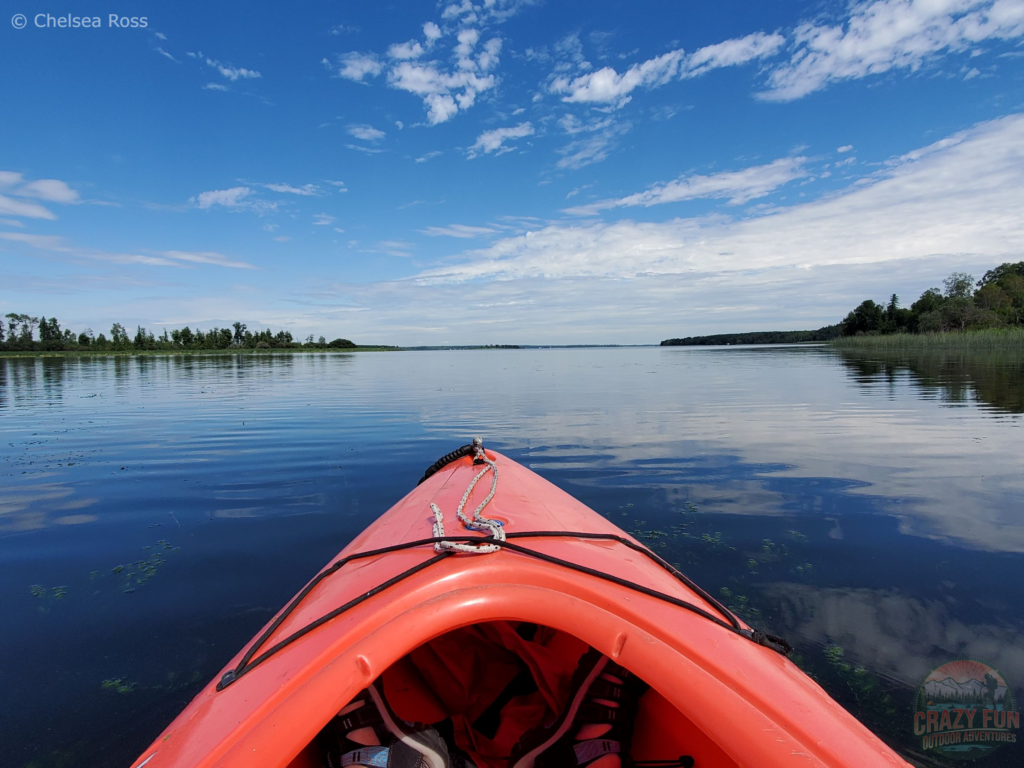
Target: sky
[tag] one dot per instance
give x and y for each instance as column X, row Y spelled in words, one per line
column 504, row 171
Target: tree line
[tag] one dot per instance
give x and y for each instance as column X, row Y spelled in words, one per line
column 41, row 334
column 996, row 300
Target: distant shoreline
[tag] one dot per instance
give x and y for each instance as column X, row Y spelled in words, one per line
column 180, row 352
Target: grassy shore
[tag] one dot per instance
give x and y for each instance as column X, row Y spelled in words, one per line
column 952, row 341
column 157, row 352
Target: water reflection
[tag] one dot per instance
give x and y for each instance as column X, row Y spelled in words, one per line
column 992, row 378
column 835, row 498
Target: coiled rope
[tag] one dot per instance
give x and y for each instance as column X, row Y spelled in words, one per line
column 478, row 523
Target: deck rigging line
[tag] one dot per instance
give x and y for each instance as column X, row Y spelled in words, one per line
column 496, row 539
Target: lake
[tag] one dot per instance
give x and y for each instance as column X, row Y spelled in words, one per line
column 156, row 511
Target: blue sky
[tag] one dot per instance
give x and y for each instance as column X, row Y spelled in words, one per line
column 502, row 171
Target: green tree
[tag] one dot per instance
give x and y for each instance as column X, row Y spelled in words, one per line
column 868, row 317
column 119, row 340
column 959, row 285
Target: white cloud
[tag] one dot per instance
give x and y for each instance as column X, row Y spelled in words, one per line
column 494, row 141
column 431, row 32
column 12, row 207
column 956, row 199
column 845, row 148
column 229, row 198
column 608, row 86
column 162, row 52
column 214, row 87
column 732, row 53
column 392, row 248
column 737, row 186
column 366, row 150
column 207, row 257
column 165, row 259
column 356, row 66
column 429, row 156
column 306, row 190
column 444, row 92
column 51, row 190
column 366, row 132
column 160, row 35
column 322, row 220
column 10, row 178
column 11, row 223
column 593, row 148
column 45, row 242
column 339, row 184
column 409, row 50
column 233, row 73
column 881, row 35
column 459, row 230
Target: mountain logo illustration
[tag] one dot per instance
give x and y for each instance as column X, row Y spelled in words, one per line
column 965, row 710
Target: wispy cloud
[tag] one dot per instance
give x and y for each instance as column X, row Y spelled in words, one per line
column 494, row 141
column 229, row 198
column 608, row 86
column 322, row 220
column 215, row 87
column 365, row 132
column 365, row 149
column 56, row 244
column 881, row 35
column 306, row 190
column 12, row 207
column 737, row 187
column 429, row 156
column 595, row 142
column 392, row 248
column 15, row 186
column 955, row 198
column 233, row 73
column 459, row 230
column 207, row 257
column 51, row 190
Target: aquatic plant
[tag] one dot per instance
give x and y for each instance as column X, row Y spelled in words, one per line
column 118, row 684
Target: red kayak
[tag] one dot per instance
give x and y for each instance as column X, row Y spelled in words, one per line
column 484, row 624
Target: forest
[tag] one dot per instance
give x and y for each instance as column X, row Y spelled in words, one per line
column 26, row 333
column 994, row 301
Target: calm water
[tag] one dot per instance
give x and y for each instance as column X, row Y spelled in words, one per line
column 155, row 511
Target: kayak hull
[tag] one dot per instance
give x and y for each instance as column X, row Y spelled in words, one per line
column 735, row 702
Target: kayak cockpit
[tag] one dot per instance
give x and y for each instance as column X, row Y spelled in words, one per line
column 485, row 685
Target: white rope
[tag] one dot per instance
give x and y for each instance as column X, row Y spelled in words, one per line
column 478, row 523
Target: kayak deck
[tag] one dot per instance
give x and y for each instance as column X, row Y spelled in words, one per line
column 714, row 694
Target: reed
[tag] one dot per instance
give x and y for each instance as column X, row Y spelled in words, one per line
column 953, row 341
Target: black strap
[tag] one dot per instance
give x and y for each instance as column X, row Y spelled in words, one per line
column 367, row 716
column 727, row 619
column 605, row 689
column 592, row 712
